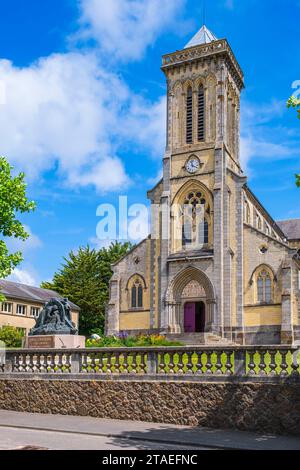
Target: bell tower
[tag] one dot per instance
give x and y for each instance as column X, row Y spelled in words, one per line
column 204, row 82
column 202, row 169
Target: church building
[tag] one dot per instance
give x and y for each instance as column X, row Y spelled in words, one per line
column 216, row 267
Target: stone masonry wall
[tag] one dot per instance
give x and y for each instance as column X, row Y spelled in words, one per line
column 261, row 407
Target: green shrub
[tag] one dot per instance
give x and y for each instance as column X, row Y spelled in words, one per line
column 130, row 341
column 12, row 337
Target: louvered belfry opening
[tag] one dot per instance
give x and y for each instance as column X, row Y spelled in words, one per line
column 189, row 116
column 201, row 114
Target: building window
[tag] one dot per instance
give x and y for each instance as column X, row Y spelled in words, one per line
column 195, row 226
column 264, row 287
column 189, row 116
column 201, row 114
column 7, row 307
column 247, row 213
column 137, row 294
column 258, row 222
column 34, row 312
column 21, row 310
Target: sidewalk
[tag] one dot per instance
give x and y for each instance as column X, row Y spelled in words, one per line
column 151, row 432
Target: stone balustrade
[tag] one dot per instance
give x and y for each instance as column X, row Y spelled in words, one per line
column 162, row 362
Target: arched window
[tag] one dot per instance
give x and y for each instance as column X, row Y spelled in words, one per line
column 189, row 116
column 201, row 114
column 187, row 232
column 264, row 287
column 258, row 222
column 195, row 225
column 247, row 213
column 137, row 294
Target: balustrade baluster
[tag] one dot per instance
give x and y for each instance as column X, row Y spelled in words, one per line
column 109, row 362
column 189, row 364
column 24, row 362
column 38, row 363
column 61, row 364
column 117, row 363
column 209, row 364
column 143, row 363
column 284, row 365
column 180, row 365
column 93, row 363
column 219, row 364
column 272, row 364
column 68, row 363
column 102, row 363
column 251, row 363
column 171, row 363
column 262, row 362
column 83, row 363
column 239, row 366
column 31, row 362
column 162, row 364
column 51, row 364
column 134, row 366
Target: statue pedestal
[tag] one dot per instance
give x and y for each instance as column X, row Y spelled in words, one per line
column 55, row 342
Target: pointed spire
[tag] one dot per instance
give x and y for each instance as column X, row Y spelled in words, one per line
column 204, row 36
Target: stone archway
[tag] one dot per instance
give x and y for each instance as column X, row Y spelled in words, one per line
column 199, row 285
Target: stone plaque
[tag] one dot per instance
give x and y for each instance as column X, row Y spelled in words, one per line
column 40, row 342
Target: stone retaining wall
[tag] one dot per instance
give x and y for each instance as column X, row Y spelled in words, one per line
column 262, row 407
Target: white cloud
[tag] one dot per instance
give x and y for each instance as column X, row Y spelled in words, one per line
column 33, row 242
column 67, row 111
column 25, row 273
column 72, row 114
column 24, row 277
column 125, row 28
column 252, row 147
column 260, row 137
column 57, row 111
column 146, row 125
column 151, row 182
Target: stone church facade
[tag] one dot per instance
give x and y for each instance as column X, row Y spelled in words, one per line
column 216, row 264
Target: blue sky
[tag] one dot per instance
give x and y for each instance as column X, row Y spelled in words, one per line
column 83, row 111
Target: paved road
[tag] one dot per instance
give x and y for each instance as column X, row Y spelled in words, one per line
column 85, row 433
column 16, row 438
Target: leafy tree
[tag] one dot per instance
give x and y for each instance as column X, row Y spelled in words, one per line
column 294, row 102
column 11, row 337
column 13, row 200
column 84, row 279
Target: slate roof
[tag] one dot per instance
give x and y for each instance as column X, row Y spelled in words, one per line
column 203, row 36
column 291, row 228
column 15, row 290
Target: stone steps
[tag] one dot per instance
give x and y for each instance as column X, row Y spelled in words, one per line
column 196, row 339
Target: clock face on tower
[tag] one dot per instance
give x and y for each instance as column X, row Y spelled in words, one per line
column 192, row 165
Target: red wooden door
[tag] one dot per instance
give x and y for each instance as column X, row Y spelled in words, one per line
column 190, row 318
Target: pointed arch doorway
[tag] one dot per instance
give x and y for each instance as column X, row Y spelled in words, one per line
column 194, row 317
column 190, row 302
column 193, row 298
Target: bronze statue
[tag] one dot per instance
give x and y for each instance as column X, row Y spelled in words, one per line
column 55, row 319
